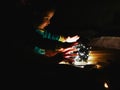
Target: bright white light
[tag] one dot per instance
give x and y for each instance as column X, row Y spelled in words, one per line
column 106, row 85
column 79, row 63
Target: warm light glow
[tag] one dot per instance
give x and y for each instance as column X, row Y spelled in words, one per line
column 106, row 85
column 96, row 57
column 63, row 62
column 99, row 58
column 92, row 58
column 98, row 66
column 82, row 66
column 80, row 63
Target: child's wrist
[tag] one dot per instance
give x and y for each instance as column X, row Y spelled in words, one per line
column 62, row 39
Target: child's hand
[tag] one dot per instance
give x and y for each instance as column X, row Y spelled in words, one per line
column 72, row 39
column 67, row 54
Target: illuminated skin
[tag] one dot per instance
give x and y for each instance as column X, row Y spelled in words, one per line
column 46, row 22
column 65, row 51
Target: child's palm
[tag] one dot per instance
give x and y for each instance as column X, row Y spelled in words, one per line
column 72, row 39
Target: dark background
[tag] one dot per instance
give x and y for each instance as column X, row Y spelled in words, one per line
column 88, row 18
column 99, row 16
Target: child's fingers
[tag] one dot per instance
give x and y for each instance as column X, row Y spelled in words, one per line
column 67, row 49
column 70, row 55
column 76, row 37
column 70, row 51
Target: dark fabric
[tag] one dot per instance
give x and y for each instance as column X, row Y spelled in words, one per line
column 44, row 43
column 29, row 57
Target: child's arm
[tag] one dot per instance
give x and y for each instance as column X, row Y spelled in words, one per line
column 60, row 38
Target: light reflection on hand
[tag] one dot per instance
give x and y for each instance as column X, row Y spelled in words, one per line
column 72, row 39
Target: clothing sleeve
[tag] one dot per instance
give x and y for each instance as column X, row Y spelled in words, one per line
column 45, row 42
column 51, row 36
column 39, row 50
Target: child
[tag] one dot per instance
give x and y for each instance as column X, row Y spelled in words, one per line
column 43, row 22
